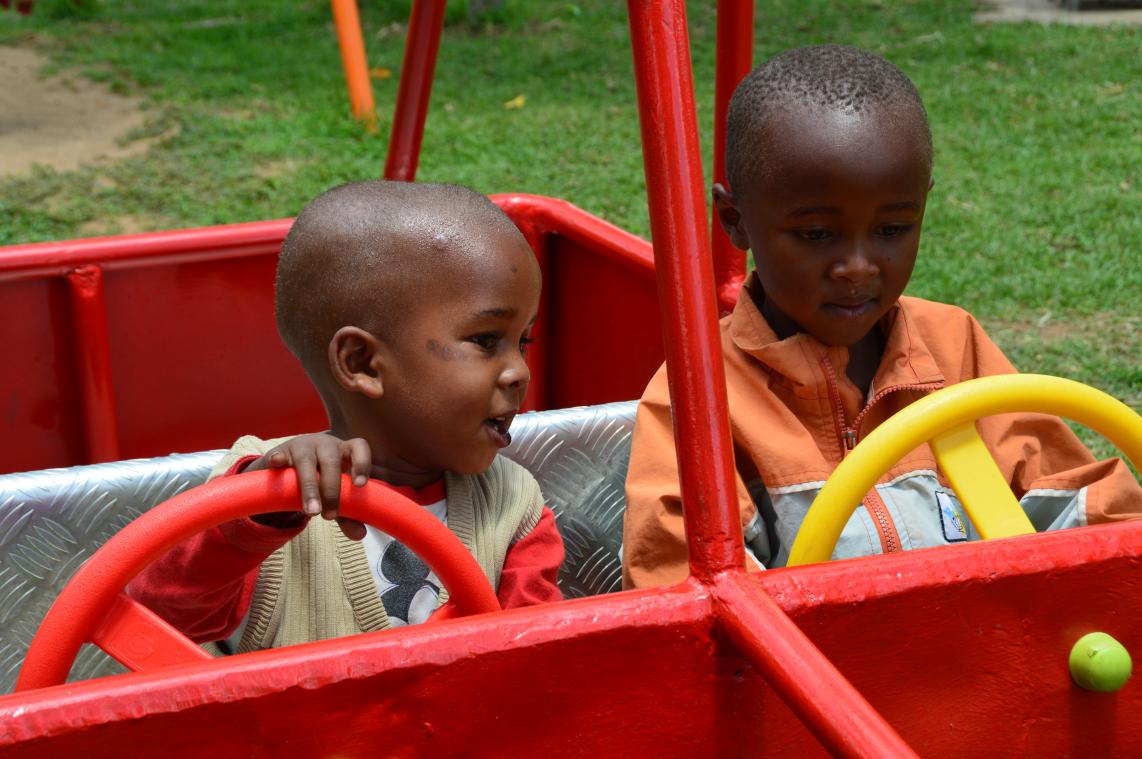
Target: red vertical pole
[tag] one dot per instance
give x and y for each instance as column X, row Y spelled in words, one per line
column 734, row 60
column 685, row 284
column 538, row 355
column 425, row 24
column 93, row 349
column 352, row 44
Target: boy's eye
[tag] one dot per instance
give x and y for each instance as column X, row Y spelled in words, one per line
column 814, row 234
column 523, row 343
column 487, row 341
column 895, row 230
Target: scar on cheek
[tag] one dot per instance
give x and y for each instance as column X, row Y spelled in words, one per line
column 441, row 351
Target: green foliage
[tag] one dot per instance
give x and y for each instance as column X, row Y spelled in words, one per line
column 1033, row 224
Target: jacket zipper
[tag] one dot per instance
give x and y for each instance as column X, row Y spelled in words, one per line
column 849, row 437
column 880, row 395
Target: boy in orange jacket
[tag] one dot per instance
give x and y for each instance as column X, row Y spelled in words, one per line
column 829, row 164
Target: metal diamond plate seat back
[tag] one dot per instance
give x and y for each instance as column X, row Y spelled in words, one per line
column 52, row 520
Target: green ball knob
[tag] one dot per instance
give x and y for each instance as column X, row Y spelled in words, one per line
column 1099, row 662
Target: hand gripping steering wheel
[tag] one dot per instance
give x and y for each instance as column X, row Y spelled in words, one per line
column 92, row 607
column 946, row 420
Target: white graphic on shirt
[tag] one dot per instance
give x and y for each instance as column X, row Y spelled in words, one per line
column 954, row 529
column 408, row 588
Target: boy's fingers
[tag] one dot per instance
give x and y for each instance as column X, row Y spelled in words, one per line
column 360, row 460
column 353, row 529
column 329, row 465
column 306, row 468
column 277, row 459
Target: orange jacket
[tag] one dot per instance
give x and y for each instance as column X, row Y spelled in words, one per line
column 792, row 410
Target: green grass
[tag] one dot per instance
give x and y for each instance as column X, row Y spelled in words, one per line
column 1034, row 224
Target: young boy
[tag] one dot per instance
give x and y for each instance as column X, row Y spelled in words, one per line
column 410, row 308
column 829, row 164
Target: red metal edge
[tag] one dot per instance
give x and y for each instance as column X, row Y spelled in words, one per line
column 855, row 580
column 200, row 243
column 65, row 708
column 551, row 215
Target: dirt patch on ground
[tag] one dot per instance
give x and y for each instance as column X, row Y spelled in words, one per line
column 1112, row 328
column 1051, row 12
column 61, row 122
column 128, row 224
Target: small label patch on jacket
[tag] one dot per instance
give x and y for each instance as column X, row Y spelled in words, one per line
column 954, row 529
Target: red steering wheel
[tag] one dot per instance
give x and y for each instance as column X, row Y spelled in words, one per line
column 94, row 608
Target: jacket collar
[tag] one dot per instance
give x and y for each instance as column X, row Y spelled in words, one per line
column 906, row 360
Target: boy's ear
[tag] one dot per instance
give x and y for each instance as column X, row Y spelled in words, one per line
column 730, row 217
column 355, row 360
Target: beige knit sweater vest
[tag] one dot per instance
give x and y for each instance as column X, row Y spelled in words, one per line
column 319, row 585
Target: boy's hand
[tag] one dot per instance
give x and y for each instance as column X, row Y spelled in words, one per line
column 319, row 459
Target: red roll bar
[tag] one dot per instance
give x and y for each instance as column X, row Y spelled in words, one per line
column 844, row 722
column 734, row 46
column 686, row 285
column 421, row 46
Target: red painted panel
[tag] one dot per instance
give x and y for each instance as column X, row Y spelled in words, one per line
column 197, row 360
column 964, row 649
column 604, row 338
column 39, row 393
column 636, row 675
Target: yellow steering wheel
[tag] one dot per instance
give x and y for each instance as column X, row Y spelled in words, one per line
column 946, row 420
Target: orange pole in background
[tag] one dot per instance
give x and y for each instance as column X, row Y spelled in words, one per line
column 352, row 44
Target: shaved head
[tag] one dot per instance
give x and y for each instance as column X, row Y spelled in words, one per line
column 811, row 81
column 367, row 254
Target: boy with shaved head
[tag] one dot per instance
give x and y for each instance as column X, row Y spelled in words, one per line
column 829, row 164
column 410, row 307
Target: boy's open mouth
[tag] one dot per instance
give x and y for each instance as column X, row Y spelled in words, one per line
column 498, row 427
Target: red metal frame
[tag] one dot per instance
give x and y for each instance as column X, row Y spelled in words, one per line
column 840, row 717
column 686, row 286
column 694, row 664
column 89, row 324
column 734, row 45
column 735, row 19
column 107, row 327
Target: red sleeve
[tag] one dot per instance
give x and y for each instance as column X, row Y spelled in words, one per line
column 531, row 566
column 203, row 586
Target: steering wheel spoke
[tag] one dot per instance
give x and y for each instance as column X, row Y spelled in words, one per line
column 140, row 640
column 980, row 485
column 946, row 420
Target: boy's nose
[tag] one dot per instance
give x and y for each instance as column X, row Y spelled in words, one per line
column 516, row 374
column 856, row 266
